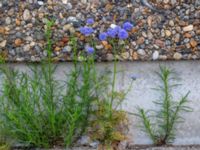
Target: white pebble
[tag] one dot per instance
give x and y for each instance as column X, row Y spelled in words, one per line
column 141, row 52
column 65, row 1
column 155, row 55
column 40, row 2
column 188, row 28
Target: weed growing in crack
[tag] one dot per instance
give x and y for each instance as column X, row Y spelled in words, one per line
column 109, row 123
column 162, row 127
column 38, row 110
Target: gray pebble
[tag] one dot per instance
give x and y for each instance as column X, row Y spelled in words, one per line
column 141, row 52
column 67, row 49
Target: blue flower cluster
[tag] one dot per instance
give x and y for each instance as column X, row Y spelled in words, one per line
column 117, row 32
column 113, row 32
column 103, row 36
column 128, row 26
column 86, row 31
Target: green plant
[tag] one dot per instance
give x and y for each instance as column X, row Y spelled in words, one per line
column 109, row 131
column 80, row 94
column 109, row 123
column 3, row 144
column 41, row 111
column 161, row 128
column 48, row 35
column 28, row 106
column 35, row 109
column 2, row 57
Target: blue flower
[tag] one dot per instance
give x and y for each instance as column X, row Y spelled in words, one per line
column 123, row 34
column 127, row 26
column 103, row 36
column 134, row 77
column 117, row 28
column 89, row 50
column 112, row 32
column 86, row 31
column 90, row 21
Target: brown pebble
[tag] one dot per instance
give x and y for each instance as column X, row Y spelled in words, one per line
column 182, row 23
column 149, row 20
column 193, row 43
column 57, row 48
column 106, row 45
column 65, row 39
column 134, row 30
column 82, row 38
column 177, row 56
column 187, row 35
column 160, row 43
column 2, row 30
column 196, row 22
column 140, row 40
column 168, row 33
column 18, row 22
column 108, row 7
column 60, row 43
column 135, row 56
column 3, row 43
column 198, row 32
column 18, row 42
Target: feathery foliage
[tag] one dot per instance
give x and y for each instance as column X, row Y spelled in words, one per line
column 48, row 35
column 39, row 110
column 110, row 124
column 160, row 125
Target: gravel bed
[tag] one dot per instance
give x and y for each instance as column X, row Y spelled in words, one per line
column 162, row 31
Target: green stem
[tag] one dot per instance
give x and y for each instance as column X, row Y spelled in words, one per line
column 114, row 76
column 167, row 104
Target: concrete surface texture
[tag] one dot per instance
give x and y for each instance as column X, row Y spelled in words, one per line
column 142, row 94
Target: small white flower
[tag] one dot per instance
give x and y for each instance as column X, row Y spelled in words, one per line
column 113, row 26
column 65, row 1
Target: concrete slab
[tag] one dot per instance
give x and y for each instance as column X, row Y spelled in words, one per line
column 142, row 94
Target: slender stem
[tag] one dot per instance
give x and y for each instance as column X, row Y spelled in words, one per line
column 74, row 47
column 166, row 103
column 92, row 60
column 114, row 76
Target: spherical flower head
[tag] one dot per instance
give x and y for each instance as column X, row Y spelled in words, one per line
column 90, row 21
column 123, row 34
column 89, row 50
column 134, row 77
column 127, row 26
column 86, row 31
column 111, row 32
column 117, row 29
column 103, row 36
